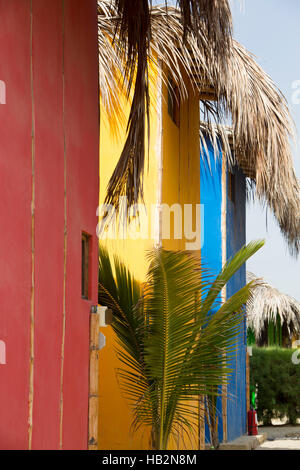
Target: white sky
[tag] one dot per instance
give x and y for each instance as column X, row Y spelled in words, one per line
column 270, row 29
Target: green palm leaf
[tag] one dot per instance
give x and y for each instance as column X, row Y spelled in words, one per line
column 173, row 349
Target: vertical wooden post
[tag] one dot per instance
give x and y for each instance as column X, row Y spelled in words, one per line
column 33, row 245
column 93, row 382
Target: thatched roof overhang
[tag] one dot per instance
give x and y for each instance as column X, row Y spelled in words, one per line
column 267, row 304
column 240, row 93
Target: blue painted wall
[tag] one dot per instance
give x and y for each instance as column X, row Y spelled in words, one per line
column 236, row 238
column 211, row 254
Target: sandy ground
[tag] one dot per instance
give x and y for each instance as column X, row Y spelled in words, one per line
column 280, row 437
column 280, row 444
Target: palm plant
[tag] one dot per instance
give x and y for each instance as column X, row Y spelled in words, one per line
column 172, row 348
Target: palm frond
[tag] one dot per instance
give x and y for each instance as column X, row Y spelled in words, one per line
column 119, row 291
column 188, row 350
column 229, row 269
column 172, row 348
column 133, row 30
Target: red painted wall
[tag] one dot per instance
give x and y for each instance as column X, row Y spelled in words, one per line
column 49, row 196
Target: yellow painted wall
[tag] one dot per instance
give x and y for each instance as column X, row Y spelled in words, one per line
column 114, row 414
column 180, row 184
column 181, row 158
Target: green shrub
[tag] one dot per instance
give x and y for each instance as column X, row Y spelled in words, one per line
column 278, row 384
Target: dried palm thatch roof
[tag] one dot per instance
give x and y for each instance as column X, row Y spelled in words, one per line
column 243, row 95
column 130, row 23
column 268, row 304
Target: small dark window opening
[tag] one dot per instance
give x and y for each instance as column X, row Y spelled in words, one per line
column 231, row 187
column 173, row 102
column 85, row 263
